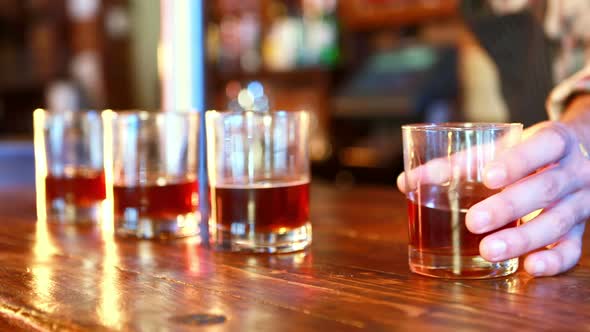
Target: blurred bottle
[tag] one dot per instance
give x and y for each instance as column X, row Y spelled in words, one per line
column 233, row 40
column 282, row 45
column 320, row 33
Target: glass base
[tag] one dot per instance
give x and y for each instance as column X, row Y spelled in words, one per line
column 158, row 228
column 60, row 211
column 461, row 267
column 294, row 239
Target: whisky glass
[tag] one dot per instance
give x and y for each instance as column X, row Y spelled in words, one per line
column 258, row 165
column 69, row 165
column 444, row 165
column 154, row 160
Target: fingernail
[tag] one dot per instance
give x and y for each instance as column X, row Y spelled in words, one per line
column 495, row 248
column 480, row 220
column 539, row 268
column 496, row 175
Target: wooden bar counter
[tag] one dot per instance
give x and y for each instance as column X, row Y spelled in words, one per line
column 354, row 277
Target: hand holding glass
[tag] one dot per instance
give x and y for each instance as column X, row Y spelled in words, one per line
column 443, row 178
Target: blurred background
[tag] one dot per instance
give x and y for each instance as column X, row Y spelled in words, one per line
column 363, row 67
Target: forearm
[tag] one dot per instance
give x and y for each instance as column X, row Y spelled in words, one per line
column 577, row 116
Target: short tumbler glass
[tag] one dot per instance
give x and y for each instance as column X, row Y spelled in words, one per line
column 444, row 166
column 154, row 162
column 258, row 165
column 69, row 165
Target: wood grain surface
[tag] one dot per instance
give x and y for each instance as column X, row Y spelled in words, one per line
column 354, row 277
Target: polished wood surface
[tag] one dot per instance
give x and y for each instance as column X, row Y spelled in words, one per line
column 354, row 277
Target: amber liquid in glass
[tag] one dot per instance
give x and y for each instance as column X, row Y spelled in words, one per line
column 437, row 219
column 81, row 187
column 278, row 207
column 432, row 224
column 156, row 202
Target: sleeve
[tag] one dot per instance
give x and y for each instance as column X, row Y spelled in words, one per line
column 562, row 94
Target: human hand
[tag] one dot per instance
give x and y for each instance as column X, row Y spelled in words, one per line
column 548, row 171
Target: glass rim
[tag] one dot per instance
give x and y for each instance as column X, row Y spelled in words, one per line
column 145, row 114
column 461, row 126
column 257, row 113
column 68, row 111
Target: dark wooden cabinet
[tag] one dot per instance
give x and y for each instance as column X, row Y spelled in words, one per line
column 45, row 41
column 31, row 54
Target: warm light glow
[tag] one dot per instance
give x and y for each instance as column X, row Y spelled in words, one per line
column 162, row 61
column 43, row 249
column 109, row 310
column 211, row 119
column 108, row 222
column 145, row 254
column 41, row 270
column 267, row 122
column 190, row 222
column 299, row 258
column 305, row 119
column 42, row 287
column 245, row 99
column 40, row 162
column 531, row 216
column 192, row 255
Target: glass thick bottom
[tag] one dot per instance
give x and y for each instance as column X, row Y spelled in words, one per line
column 458, row 267
column 158, row 228
column 283, row 241
column 63, row 212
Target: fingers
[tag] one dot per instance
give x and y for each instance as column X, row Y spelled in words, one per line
column 560, row 258
column 436, row 171
column 464, row 164
column 545, row 229
column 549, row 143
column 458, row 165
column 534, row 192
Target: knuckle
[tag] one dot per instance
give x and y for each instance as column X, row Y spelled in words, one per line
column 555, row 261
column 508, row 207
column 562, row 222
column 566, row 257
column 524, row 242
column 564, row 134
column 560, row 261
column 524, row 164
column 551, row 189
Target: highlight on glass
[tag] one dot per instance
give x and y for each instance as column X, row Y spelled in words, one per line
column 154, row 164
column 444, row 166
column 69, row 165
column 258, row 165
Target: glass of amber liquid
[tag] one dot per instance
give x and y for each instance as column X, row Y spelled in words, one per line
column 154, row 170
column 258, row 167
column 444, row 165
column 69, row 165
